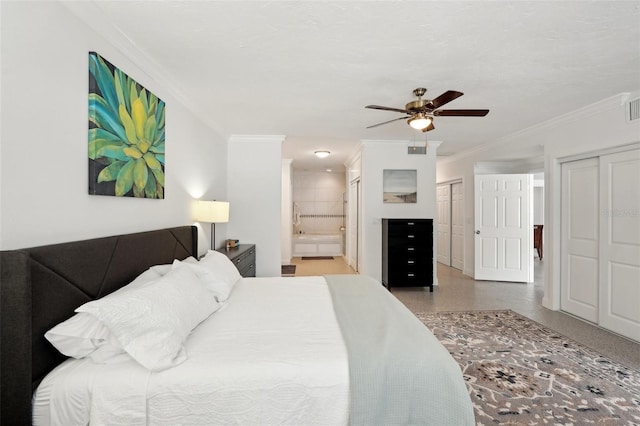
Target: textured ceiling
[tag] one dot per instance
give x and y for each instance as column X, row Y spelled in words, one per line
column 306, row 69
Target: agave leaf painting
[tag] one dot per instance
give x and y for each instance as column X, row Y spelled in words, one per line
column 126, row 134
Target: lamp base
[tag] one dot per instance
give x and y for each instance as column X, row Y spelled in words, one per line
column 213, row 236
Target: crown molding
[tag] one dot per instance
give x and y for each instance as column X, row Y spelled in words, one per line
column 94, row 17
column 594, row 109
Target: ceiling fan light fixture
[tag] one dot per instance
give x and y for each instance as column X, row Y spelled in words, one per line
column 419, row 122
column 322, row 154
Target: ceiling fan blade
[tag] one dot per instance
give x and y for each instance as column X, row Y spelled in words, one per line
column 445, row 98
column 461, row 113
column 429, row 127
column 388, row 108
column 387, row 122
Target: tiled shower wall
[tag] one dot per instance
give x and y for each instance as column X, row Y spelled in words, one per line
column 319, row 198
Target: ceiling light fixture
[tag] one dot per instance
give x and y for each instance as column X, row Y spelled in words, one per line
column 419, row 121
column 324, row 154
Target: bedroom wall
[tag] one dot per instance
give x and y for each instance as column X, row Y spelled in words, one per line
column 590, row 129
column 375, row 157
column 255, row 198
column 43, row 152
column 286, row 215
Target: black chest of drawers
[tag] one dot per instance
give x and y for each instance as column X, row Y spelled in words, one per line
column 407, row 253
column 244, row 257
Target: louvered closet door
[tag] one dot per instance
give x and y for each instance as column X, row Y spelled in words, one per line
column 580, row 238
column 620, row 243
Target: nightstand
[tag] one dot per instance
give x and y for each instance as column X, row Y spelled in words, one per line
column 243, row 256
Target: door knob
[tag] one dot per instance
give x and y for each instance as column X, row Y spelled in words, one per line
column 478, row 232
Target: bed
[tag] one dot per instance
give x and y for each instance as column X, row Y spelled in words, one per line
column 294, row 350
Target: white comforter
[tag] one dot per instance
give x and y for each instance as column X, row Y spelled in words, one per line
column 273, row 355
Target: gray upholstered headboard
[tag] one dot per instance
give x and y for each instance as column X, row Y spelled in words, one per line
column 41, row 286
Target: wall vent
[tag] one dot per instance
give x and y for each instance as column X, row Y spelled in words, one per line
column 633, row 111
column 417, row 150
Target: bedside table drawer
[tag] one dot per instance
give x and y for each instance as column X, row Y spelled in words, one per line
column 243, row 257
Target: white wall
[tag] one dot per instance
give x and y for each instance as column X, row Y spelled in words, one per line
column 377, row 156
column 286, row 222
column 538, row 204
column 255, row 191
column 43, row 163
column 591, row 129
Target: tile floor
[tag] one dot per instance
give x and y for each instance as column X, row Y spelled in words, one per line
column 321, row 266
column 458, row 292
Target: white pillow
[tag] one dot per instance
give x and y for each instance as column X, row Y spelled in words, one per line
column 214, row 284
column 78, row 336
column 152, row 322
column 219, row 266
column 82, row 334
column 163, row 269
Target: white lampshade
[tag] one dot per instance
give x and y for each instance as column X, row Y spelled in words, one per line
column 420, row 122
column 213, row 211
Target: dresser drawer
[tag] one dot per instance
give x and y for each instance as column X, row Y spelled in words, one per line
column 413, row 249
column 409, row 262
column 405, row 235
column 410, row 277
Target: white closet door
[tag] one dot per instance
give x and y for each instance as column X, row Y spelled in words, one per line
column 580, row 237
column 620, row 243
column 443, row 205
column 457, row 226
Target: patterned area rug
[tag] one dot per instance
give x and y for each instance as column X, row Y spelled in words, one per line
column 519, row 372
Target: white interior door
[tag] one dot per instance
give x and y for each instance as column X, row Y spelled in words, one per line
column 620, row 243
column 580, row 238
column 504, row 227
column 457, row 226
column 443, row 204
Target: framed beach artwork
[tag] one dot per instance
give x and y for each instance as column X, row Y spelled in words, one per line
column 400, row 186
column 126, row 134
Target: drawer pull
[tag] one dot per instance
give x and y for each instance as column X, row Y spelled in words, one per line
column 410, row 223
column 411, row 249
column 410, row 262
column 410, row 275
column 410, row 236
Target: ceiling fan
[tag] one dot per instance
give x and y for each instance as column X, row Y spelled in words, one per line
column 420, row 113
